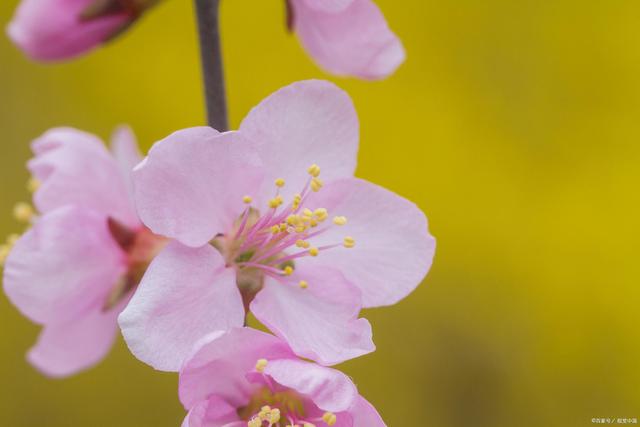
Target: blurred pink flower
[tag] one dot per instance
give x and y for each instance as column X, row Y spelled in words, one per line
column 74, row 270
column 246, row 377
column 53, row 30
column 347, row 37
column 250, row 219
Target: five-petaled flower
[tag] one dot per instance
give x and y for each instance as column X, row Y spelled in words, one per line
column 53, row 30
column 347, row 37
column 76, row 267
column 248, row 378
column 270, row 219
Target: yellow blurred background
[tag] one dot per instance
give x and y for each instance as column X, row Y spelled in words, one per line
column 514, row 124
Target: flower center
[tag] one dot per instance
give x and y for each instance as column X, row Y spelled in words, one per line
column 270, row 243
column 140, row 247
column 275, row 406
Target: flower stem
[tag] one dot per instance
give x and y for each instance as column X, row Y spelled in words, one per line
column 207, row 12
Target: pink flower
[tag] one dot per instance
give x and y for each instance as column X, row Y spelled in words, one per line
column 52, row 30
column 347, row 37
column 74, row 270
column 256, row 228
column 248, row 378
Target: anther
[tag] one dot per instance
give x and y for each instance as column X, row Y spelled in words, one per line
column 33, row 184
column 329, row 418
column 288, row 270
column 279, row 182
column 275, row 202
column 340, row 220
column 23, row 212
column 308, row 425
column 255, row 422
column 247, row 199
column 314, row 170
column 314, row 251
column 316, row 184
column 303, row 284
column 349, row 242
column 261, row 364
column 4, row 253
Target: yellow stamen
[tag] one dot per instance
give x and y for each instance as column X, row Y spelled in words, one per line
column 349, row 242
column 283, row 227
column 279, row 182
column 275, row 202
column 297, row 199
column 314, row 170
column 274, row 416
column 288, row 270
column 4, row 253
column 329, row 418
column 275, row 229
column 316, row 184
column 255, row 422
column 340, row 220
column 300, row 243
column 306, row 245
column 321, row 214
column 303, row 284
column 33, row 184
column 314, row 251
column 261, row 364
column 247, row 199
column 23, row 212
column 308, row 425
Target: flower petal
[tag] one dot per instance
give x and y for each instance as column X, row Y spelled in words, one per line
column 365, row 415
column 127, row 155
column 330, row 390
column 319, row 323
column 75, row 168
column 393, row 250
column 49, row 30
column 213, row 412
column 185, row 294
column 67, row 348
column 329, row 5
column 304, row 123
column 220, row 361
column 64, row 266
column 190, row 186
column 355, row 41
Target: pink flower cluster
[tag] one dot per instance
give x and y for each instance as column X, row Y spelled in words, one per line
column 345, row 37
column 179, row 248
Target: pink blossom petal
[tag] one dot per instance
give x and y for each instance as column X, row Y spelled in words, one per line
column 185, row 294
column 304, row 123
column 213, row 412
column 127, row 155
column 328, row 5
column 67, row 348
column 330, row 390
column 75, row 168
column 365, row 415
column 50, row 30
column 64, row 266
column 355, row 41
column 220, row 361
column 190, row 186
column 393, row 250
column 319, row 323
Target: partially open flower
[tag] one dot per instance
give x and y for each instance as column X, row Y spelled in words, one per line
column 246, row 378
column 347, row 37
column 75, row 269
column 53, row 30
column 270, row 219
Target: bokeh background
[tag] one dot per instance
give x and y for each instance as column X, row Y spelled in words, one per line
column 514, row 124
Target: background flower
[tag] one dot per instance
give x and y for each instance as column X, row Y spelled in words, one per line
column 245, row 377
column 73, row 271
